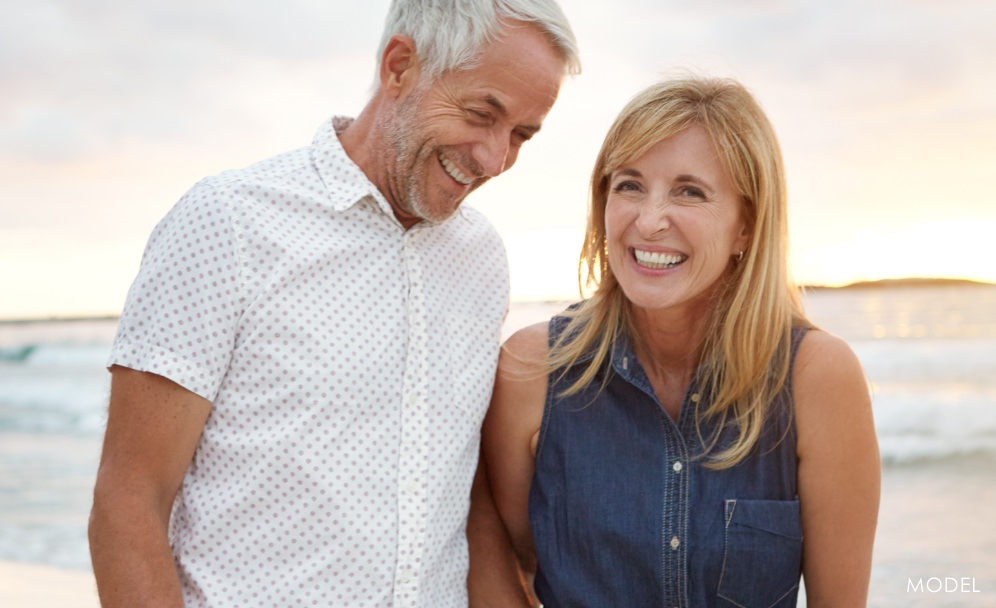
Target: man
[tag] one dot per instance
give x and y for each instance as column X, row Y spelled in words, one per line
column 306, row 355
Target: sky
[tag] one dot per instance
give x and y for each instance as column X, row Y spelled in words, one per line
column 109, row 111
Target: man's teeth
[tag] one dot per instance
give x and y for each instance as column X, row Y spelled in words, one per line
column 455, row 173
column 652, row 259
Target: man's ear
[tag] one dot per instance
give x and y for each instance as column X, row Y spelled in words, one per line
column 399, row 67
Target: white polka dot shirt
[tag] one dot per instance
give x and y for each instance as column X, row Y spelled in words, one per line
column 349, row 362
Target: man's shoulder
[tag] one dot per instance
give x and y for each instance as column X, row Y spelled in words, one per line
column 251, row 181
column 272, row 169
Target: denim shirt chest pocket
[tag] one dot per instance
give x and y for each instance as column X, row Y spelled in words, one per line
column 763, row 553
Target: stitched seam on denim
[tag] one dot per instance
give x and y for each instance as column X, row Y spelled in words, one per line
column 552, row 331
column 784, row 595
column 775, row 602
column 726, row 548
column 683, row 478
column 734, row 602
column 771, row 532
column 661, row 414
column 726, row 544
column 791, row 432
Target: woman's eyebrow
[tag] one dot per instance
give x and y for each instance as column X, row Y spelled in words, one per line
column 628, row 172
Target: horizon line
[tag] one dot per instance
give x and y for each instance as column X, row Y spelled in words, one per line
column 889, row 283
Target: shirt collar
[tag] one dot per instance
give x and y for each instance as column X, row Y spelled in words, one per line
column 344, row 180
column 626, row 365
column 351, row 185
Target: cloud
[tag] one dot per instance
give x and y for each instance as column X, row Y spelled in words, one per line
column 886, row 109
column 80, row 77
column 883, row 48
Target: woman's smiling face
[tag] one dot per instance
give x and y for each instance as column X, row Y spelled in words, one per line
column 673, row 222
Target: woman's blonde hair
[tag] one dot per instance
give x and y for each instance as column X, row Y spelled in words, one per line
column 746, row 356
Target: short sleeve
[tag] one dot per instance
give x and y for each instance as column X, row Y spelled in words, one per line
column 181, row 317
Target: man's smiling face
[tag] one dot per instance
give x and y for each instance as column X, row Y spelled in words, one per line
column 465, row 127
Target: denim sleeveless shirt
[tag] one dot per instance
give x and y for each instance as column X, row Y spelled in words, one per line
column 623, row 514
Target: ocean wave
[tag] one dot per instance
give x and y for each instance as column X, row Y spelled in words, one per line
column 55, row 389
column 934, row 399
column 17, row 354
column 54, row 355
column 946, row 422
column 935, row 361
column 911, row 450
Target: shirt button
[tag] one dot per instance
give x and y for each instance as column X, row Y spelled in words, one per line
column 695, row 397
column 411, row 486
column 678, row 466
column 675, row 543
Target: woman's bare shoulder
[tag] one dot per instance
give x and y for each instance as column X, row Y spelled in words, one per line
column 825, row 359
column 831, row 393
column 525, row 350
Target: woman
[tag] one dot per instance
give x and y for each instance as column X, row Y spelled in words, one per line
column 685, row 437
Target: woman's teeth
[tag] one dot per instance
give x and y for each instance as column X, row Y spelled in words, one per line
column 455, row 173
column 656, row 260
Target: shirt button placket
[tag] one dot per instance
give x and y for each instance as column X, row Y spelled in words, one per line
column 413, row 467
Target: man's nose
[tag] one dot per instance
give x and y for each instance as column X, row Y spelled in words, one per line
column 492, row 154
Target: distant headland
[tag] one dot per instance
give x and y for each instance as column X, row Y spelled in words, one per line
column 879, row 284
column 907, row 282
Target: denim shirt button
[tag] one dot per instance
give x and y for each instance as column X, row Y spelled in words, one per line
column 675, row 543
column 678, row 466
column 695, row 397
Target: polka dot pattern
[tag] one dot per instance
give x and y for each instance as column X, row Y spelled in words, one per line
column 349, row 363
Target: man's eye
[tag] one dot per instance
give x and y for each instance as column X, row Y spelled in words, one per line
column 521, row 137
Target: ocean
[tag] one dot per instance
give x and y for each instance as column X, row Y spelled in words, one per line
column 929, row 353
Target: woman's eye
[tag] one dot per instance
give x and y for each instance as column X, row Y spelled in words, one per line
column 626, row 186
column 691, row 192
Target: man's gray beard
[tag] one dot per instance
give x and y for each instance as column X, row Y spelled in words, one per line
column 402, row 133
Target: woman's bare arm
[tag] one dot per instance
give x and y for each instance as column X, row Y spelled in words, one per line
column 507, row 448
column 839, row 471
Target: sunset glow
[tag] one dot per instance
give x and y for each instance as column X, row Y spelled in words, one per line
column 886, row 113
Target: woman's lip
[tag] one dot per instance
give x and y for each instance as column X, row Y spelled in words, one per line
column 655, row 259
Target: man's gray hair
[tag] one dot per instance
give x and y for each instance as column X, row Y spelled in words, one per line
column 449, row 34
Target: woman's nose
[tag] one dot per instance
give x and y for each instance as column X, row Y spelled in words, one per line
column 655, row 216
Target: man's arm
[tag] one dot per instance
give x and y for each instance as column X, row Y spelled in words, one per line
column 493, row 581
column 153, row 427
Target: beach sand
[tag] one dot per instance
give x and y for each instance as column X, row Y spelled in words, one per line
column 935, row 522
column 33, row 586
